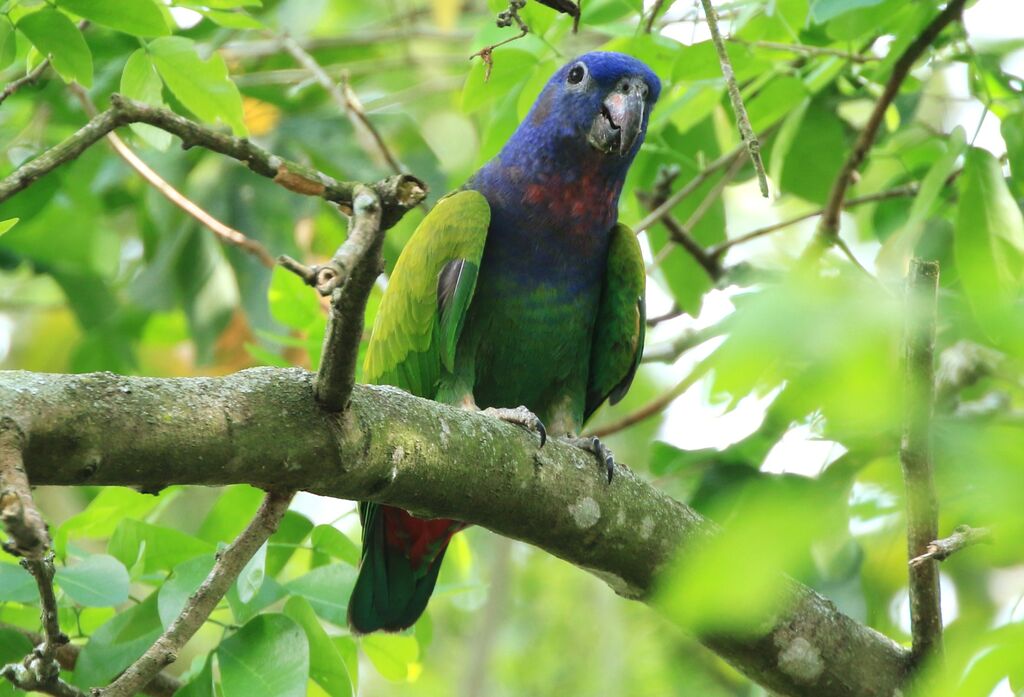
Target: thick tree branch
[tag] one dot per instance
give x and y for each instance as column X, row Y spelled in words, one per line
column 230, row 562
column 398, row 194
column 750, row 141
column 828, row 227
column 262, row 426
column 349, row 278
column 916, row 458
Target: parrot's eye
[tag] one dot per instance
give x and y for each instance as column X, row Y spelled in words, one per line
column 577, row 73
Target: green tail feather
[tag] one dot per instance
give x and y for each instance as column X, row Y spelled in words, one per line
column 389, row 594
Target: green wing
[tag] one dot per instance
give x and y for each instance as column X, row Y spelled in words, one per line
column 421, row 315
column 621, row 322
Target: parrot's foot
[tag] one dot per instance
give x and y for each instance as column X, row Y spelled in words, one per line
column 593, row 445
column 520, row 416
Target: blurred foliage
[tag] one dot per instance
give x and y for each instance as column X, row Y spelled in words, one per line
column 100, row 272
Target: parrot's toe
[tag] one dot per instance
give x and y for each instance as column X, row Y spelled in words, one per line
column 520, row 416
column 592, row 444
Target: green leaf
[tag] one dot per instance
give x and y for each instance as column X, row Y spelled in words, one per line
column 105, row 512
column 506, row 79
column 232, row 20
column 117, row 643
column 329, row 540
column 219, row 4
column 202, row 86
column 183, row 582
column 98, row 580
column 818, row 151
column 6, row 225
column 236, row 505
column 141, row 82
column 327, row 589
column 201, row 685
column 326, row 664
column 268, row 656
column 251, row 579
column 989, row 242
column 138, row 17
column 292, row 302
column 292, row 530
column 161, row 548
column 270, row 592
column 7, row 42
column 899, row 247
column 17, row 584
column 391, row 654
column 780, row 97
column 1012, row 129
column 824, row 10
column 57, row 36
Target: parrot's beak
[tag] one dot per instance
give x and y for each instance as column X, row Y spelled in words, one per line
column 617, row 126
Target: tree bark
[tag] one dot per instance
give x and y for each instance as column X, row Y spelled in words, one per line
column 263, row 427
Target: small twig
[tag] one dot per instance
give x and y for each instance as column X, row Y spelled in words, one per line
column 163, row 685
column 30, row 540
column 669, row 351
column 916, row 459
column 348, row 278
column 963, row 536
column 719, row 250
column 230, row 562
column 28, row 79
column 505, row 19
column 676, row 311
column 742, row 120
column 655, row 406
column 345, row 99
column 672, row 201
column 805, row 50
column 226, row 233
column 828, row 226
column 655, row 9
column 235, row 50
column 398, row 193
column 683, row 234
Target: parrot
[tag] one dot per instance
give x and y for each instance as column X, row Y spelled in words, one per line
column 519, row 295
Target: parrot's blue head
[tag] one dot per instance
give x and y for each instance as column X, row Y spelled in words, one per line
column 601, row 99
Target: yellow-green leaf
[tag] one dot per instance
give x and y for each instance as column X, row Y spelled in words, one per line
column 989, row 242
column 57, row 36
column 203, row 86
column 141, row 82
column 138, row 17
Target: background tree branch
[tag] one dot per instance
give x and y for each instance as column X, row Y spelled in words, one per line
column 262, row 426
column 398, row 193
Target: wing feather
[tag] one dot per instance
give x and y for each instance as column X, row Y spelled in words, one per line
column 621, row 323
column 421, row 315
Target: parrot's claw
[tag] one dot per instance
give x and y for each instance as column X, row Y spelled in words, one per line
column 520, row 416
column 592, row 444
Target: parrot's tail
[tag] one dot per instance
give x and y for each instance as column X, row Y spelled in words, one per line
column 401, row 558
